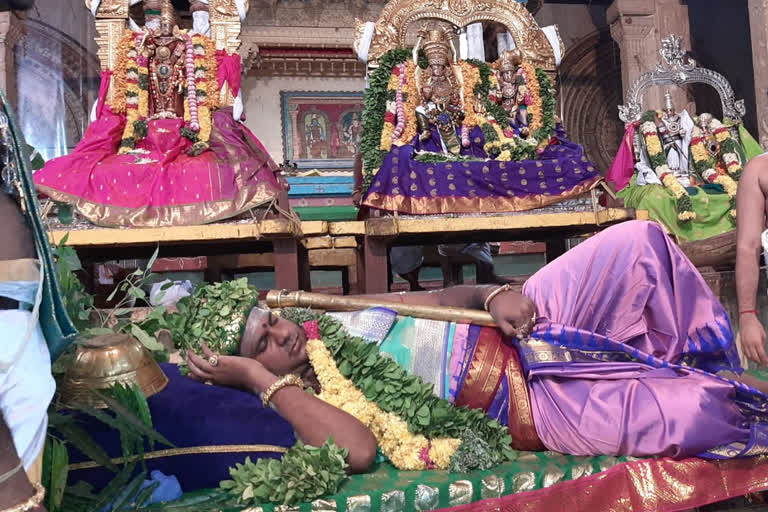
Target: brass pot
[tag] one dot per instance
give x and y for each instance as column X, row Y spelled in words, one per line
column 104, row 361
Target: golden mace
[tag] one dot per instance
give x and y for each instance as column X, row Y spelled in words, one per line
column 300, row 299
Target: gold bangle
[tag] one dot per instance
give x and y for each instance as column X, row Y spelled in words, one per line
column 32, row 503
column 493, row 294
column 284, row 381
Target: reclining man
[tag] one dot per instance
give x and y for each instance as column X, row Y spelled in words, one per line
column 621, row 349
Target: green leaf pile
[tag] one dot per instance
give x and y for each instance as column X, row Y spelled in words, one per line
column 214, row 314
column 303, row 474
column 386, row 383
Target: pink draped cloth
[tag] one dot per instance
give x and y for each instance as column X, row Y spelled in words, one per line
column 159, row 184
column 623, row 166
column 228, row 70
column 632, row 284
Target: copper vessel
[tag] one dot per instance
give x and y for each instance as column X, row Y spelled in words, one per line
column 106, row 360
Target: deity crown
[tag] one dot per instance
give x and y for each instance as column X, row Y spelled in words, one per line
column 510, row 60
column 436, row 47
column 167, row 14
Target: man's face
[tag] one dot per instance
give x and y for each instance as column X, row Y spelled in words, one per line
column 508, row 76
column 278, row 344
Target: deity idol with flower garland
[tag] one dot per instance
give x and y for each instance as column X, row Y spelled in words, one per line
column 696, row 162
column 162, row 149
column 444, row 135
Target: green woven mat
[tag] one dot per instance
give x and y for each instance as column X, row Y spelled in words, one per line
column 327, row 213
column 385, row 488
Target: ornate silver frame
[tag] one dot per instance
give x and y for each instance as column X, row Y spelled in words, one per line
column 675, row 68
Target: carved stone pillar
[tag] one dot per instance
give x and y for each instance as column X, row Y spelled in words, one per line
column 758, row 24
column 11, row 31
column 638, row 27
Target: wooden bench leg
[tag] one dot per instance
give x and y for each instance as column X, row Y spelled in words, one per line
column 375, row 255
column 291, row 265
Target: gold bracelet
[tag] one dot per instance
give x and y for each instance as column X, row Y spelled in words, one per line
column 494, row 293
column 284, row 381
column 32, row 503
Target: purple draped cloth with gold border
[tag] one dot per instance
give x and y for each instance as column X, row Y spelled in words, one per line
column 406, row 185
column 626, row 350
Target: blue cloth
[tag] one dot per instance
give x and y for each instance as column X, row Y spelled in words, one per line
column 199, row 419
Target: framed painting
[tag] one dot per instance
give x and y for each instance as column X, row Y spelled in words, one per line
column 321, row 130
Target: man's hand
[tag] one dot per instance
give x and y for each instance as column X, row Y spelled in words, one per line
column 231, row 371
column 513, row 313
column 753, row 339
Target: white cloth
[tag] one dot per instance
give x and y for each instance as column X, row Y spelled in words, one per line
column 201, row 22
column 475, row 42
column 764, row 240
column 365, row 41
column 504, row 42
column 240, row 4
column 26, row 383
column 237, row 107
column 554, row 42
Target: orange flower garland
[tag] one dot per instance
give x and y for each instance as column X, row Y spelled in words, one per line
column 471, row 76
column 534, row 90
column 411, row 104
column 118, row 76
column 390, row 117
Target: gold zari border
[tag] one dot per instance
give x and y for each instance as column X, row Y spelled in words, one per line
column 191, row 450
column 462, row 204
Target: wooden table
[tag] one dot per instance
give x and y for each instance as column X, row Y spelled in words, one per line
column 378, row 234
column 279, row 236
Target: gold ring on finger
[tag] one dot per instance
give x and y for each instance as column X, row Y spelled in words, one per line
column 213, row 360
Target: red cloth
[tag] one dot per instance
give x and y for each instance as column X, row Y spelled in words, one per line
column 229, row 70
column 623, row 166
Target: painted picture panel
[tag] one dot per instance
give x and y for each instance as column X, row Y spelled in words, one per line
column 321, row 130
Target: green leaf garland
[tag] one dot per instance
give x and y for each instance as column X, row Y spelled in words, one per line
column 303, row 474
column 375, row 101
column 547, row 93
column 387, row 384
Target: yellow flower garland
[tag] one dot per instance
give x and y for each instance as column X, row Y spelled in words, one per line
column 534, row 90
column 471, row 75
column 411, row 103
column 118, row 76
column 404, row 449
column 389, row 127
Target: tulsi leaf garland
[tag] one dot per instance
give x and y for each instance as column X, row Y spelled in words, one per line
column 303, row 474
column 375, row 102
column 387, row 384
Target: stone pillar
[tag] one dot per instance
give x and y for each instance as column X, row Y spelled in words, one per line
column 758, row 24
column 638, row 26
column 11, row 31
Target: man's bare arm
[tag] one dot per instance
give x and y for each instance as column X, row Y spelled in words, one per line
column 751, row 203
column 751, row 222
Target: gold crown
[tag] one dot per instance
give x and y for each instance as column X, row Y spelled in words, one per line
column 510, row 60
column 436, row 48
column 167, row 14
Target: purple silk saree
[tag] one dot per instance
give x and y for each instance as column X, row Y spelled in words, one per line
column 624, row 356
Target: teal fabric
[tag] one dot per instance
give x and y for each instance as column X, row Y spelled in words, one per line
column 57, row 327
column 391, row 344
